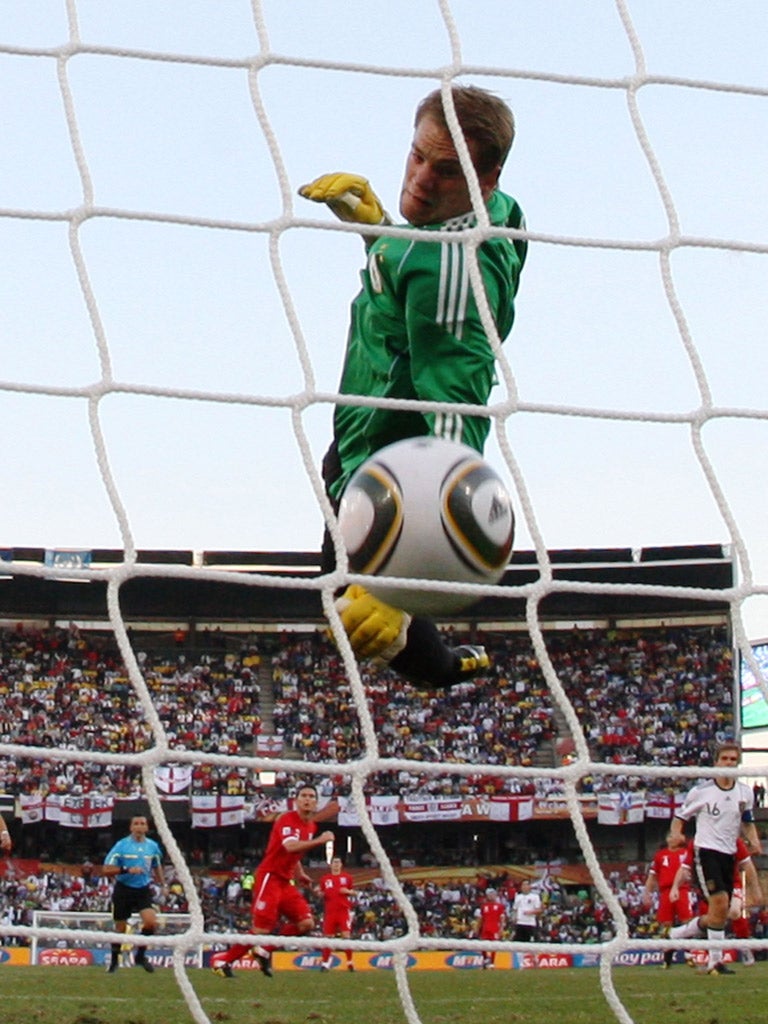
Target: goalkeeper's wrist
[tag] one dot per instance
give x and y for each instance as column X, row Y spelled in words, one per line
column 427, row 658
column 399, row 643
column 368, row 240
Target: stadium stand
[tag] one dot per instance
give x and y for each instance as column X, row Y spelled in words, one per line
column 642, row 698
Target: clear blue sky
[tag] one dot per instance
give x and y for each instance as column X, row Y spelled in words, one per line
column 169, row 147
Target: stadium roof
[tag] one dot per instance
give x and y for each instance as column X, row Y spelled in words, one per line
column 236, row 586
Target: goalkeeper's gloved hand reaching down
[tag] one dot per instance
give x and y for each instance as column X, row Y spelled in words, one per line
column 349, row 196
column 410, row 644
column 375, row 629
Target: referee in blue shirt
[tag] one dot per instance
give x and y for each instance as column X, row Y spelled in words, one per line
column 134, row 862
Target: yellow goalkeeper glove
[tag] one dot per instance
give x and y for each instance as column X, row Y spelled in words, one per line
column 350, row 196
column 375, row 629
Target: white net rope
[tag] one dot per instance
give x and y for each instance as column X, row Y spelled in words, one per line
column 258, row 56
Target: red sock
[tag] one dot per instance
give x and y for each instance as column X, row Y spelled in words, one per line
column 740, row 928
column 232, row 954
column 326, row 954
column 287, row 928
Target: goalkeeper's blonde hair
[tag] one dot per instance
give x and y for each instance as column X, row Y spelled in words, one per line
column 484, row 118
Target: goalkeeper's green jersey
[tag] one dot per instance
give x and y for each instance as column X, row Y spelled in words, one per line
column 416, row 333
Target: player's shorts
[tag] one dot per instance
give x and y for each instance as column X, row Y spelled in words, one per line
column 677, row 911
column 275, row 897
column 525, row 933
column 490, row 934
column 714, row 871
column 126, row 900
column 337, row 922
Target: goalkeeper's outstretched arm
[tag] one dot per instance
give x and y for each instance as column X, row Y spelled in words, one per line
column 427, row 658
column 411, row 645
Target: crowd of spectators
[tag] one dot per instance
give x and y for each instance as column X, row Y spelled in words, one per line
column 660, row 698
column 656, row 697
column 64, row 688
column 501, row 718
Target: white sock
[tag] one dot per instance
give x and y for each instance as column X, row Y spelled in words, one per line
column 689, row 930
column 714, row 956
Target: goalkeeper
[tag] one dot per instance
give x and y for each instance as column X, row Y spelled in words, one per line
column 416, row 333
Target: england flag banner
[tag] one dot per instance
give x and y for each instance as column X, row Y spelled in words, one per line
column 94, row 811
column 216, row 811
column 173, row 780
column 511, row 808
column 269, row 746
column 661, row 804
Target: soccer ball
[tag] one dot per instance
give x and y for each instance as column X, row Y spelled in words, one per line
column 426, row 508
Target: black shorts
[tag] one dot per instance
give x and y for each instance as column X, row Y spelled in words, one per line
column 714, row 871
column 126, row 901
column 525, row 933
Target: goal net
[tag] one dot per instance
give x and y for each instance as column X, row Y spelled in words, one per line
column 66, row 938
column 174, row 315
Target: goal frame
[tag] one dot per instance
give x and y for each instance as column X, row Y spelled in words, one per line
column 46, row 922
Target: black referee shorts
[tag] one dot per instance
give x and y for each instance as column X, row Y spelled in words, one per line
column 127, row 900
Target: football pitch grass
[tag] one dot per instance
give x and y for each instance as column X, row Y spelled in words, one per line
column 87, row 995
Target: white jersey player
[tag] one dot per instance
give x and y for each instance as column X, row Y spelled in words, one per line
column 719, row 813
column 722, row 809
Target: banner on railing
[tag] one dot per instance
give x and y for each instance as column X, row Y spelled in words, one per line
column 216, row 811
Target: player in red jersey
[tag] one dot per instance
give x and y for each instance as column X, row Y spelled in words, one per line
column 747, row 893
column 661, row 877
column 492, row 914
column 275, row 895
column 336, row 888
